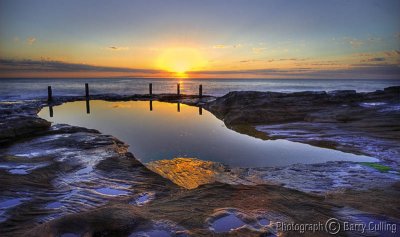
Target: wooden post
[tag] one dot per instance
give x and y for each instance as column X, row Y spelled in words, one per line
column 49, row 94
column 201, row 91
column 200, row 110
column 179, row 107
column 51, row 111
column 87, row 90
column 178, row 89
column 151, row 105
column 151, row 89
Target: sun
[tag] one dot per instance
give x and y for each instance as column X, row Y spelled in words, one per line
column 180, row 60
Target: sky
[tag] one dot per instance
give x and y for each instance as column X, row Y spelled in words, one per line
column 200, row 38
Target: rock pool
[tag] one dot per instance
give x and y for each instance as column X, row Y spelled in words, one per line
column 163, row 131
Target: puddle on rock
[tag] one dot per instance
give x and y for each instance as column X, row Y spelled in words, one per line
column 85, row 170
column 227, row 220
column 6, row 204
column 54, row 205
column 264, row 222
column 18, row 171
column 142, row 199
column 227, row 223
column 111, row 191
column 20, row 168
column 372, row 104
column 9, row 204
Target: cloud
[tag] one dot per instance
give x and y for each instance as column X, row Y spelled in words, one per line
column 30, row 40
column 9, row 65
column 273, row 60
column 258, row 50
column 356, row 43
column 364, row 55
column 374, row 39
column 374, row 60
column 376, row 69
column 225, row 46
column 115, row 48
column 219, row 46
column 251, row 60
column 392, row 53
column 287, row 59
column 327, row 63
column 359, row 71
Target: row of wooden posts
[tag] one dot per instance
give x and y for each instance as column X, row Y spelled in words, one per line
column 178, row 91
column 88, row 105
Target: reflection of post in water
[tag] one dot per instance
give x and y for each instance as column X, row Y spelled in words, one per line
column 151, row 105
column 51, row 111
column 179, row 107
column 200, row 110
column 87, row 105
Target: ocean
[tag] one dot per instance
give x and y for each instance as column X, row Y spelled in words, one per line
column 17, row 89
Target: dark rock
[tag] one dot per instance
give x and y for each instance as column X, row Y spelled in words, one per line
column 392, row 90
column 343, row 92
column 17, row 126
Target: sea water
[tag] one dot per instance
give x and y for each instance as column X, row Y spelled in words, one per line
column 16, row 89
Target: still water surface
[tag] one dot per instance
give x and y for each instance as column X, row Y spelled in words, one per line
column 158, row 131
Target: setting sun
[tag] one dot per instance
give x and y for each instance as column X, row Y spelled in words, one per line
column 180, row 60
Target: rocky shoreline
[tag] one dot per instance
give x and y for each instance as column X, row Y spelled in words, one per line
column 360, row 123
column 363, row 123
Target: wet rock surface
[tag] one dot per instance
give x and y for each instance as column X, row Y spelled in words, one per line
column 63, row 170
column 195, row 213
column 359, row 123
column 320, row 178
column 311, row 178
column 70, row 181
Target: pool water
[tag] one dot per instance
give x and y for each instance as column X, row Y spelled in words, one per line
column 227, row 223
column 164, row 131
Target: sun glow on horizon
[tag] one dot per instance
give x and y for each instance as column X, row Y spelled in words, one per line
column 180, row 60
